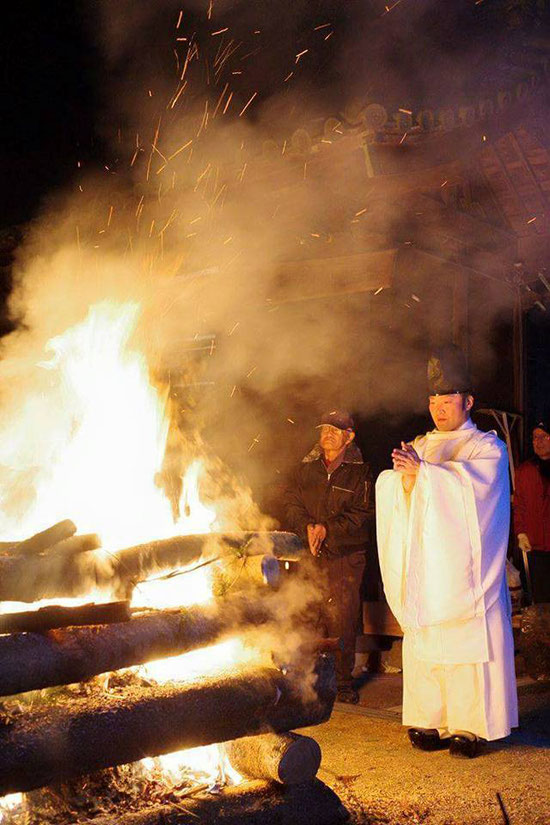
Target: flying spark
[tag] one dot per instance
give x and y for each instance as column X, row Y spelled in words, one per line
column 248, row 104
column 226, row 107
column 254, row 441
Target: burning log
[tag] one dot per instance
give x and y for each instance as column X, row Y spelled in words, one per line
column 86, row 734
column 76, row 544
column 70, row 568
column 288, row 758
column 31, row 661
column 70, row 545
column 46, row 539
column 56, row 616
column 135, row 564
column 73, row 573
column 250, row 804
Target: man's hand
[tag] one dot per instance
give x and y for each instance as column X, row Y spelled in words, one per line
column 523, row 543
column 316, row 534
column 406, row 460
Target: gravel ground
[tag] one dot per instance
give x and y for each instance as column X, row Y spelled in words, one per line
column 369, row 762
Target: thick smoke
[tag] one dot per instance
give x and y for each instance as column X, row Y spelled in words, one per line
column 211, row 183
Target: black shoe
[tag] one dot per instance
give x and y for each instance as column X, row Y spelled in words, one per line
column 465, row 747
column 348, row 695
column 427, row 740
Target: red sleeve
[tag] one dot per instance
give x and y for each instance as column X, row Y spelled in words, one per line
column 521, row 494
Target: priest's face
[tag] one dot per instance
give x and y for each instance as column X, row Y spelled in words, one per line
column 449, row 412
column 541, row 444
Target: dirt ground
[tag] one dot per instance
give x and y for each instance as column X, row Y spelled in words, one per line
column 380, row 778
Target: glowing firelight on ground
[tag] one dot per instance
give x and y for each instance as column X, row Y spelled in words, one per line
column 10, row 803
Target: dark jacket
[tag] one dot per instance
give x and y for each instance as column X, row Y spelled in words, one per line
column 532, row 503
column 341, row 501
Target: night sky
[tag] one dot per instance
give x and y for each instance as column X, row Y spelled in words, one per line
column 47, row 69
column 55, row 73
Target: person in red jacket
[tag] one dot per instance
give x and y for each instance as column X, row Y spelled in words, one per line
column 532, row 494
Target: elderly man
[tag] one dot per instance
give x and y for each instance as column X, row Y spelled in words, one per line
column 442, row 521
column 532, row 494
column 327, row 504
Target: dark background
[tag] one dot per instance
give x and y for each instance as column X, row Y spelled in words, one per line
column 57, row 66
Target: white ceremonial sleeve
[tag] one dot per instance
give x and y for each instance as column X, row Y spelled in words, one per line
column 457, row 541
column 392, row 525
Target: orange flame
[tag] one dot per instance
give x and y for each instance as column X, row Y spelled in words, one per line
column 100, row 438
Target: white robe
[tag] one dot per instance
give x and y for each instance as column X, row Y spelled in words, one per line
column 442, row 555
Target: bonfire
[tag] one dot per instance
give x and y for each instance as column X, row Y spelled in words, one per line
column 151, row 654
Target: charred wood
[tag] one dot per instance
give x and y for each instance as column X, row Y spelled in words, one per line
column 253, row 803
column 135, row 564
column 84, row 735
column 288, row 758
column 47, row 538
column 62, row 572
column 31, row 661
column 71, row 545
column 73, row 573
column 56, row 616
column 76, row 544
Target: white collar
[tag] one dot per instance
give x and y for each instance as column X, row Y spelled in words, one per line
column 462, row 430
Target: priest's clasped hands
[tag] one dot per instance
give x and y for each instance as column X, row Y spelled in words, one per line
column 406, row 460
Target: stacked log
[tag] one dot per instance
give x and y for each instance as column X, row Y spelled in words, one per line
column 31, row 661
column 288, row 758
column 87, row 734
column 46, row 539
column 252, row 710
column 56, row 616
column 72, row 566
column 134, row 564
column 30, row 571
